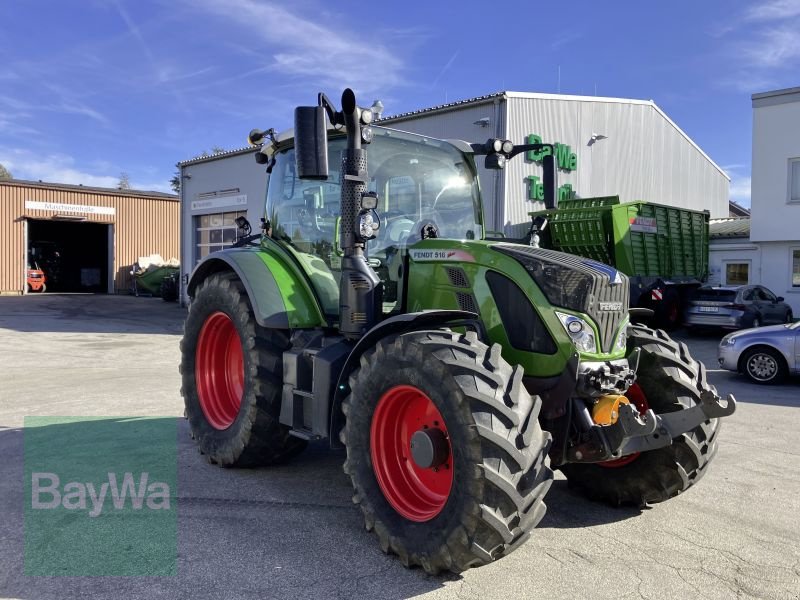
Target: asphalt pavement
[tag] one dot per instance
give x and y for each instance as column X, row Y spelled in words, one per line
column 292, row 531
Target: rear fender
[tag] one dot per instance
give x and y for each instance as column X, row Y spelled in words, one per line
column 281, row 296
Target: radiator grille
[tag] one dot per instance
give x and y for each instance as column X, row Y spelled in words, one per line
column 457, row 277
column 579, row 284
column 467, row 302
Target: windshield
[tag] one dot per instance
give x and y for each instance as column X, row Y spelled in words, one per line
column 418, row 179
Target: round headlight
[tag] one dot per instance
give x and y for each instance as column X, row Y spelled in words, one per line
column 366, row 116
column 574, row 326
column 507, row 147
column 497, row 145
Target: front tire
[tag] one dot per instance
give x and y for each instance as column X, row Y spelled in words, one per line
column 232, row 372
column 483, row 495
column 764, row 366
column 668, row 380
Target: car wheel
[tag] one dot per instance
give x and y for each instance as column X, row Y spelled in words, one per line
column 763, row 365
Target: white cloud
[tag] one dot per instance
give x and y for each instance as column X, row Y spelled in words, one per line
column 773, row 47
column 304, row 49
column 776, row 9
column 740, row 190
column 61, row 168
column 763, row 46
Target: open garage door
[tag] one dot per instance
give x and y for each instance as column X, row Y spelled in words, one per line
column 74, row 256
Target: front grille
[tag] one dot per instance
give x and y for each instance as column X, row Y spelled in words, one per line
column 467, row 302
column 578, row 284
column 457, row 277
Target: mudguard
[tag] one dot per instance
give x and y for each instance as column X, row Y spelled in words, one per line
column 426, row 319
column 278, row 290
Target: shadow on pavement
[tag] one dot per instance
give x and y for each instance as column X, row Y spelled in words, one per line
column 278, row 532
column 90, row 313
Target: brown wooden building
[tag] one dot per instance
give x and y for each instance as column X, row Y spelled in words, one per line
column 85, row 239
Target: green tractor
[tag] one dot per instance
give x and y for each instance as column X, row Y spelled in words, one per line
column 457, row 371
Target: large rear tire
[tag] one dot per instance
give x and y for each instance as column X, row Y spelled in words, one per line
column 232, row 372
column 482, row 496
column 668, row 380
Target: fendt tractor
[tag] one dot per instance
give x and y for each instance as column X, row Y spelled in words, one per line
column 457, row 371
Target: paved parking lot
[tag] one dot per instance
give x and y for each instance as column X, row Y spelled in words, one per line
column 292, row 531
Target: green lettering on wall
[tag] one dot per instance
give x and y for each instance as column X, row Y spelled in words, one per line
column 566, row 158
column 536, row 189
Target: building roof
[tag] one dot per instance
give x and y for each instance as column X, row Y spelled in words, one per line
column 737, row 210
column 95, row 190
column 732, row 227
column 218, row 155
column 541, row 96
column 774, row 97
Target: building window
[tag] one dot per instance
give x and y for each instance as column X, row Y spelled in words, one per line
column 796, row 267
column 737, row 273
column 794, row 180
column 215, row 232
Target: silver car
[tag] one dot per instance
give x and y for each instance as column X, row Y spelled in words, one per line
column 735, row 307
column 765, row 355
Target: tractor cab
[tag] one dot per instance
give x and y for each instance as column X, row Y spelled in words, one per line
column 424, row 188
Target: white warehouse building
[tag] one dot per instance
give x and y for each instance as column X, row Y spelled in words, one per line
column 604, row 146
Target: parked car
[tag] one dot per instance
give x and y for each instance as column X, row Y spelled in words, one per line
column 765, row 355
column 736, row 307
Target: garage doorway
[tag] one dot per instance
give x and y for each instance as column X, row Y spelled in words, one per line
column 75, row 256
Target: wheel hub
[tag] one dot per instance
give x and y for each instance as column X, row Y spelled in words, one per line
column 411, row 454
column 762, row 366
column 219, row 370
column 429, row 448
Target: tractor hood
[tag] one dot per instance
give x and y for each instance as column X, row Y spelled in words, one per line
column 578, row 284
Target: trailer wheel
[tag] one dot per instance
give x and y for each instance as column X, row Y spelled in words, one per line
column 232, row 373
column 444, row 449
column 668, row 380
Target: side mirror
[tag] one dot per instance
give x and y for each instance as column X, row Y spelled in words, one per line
column 550, row 181
column 311, row 142
column 779, row 299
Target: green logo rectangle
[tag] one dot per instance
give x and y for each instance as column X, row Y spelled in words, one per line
column 100, row 496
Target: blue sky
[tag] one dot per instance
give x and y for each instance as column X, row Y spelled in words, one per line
column 93, row 88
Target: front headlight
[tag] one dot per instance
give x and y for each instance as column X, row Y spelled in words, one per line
column 579, row 332
column 622, row 338
column 728, row 340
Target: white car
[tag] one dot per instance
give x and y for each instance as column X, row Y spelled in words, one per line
column 765, row 354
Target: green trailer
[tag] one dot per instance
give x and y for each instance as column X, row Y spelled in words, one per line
column 662, row 249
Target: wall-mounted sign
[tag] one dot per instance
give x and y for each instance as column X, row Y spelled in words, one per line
column 62, row 207
column 225, row 201
column 567, row 160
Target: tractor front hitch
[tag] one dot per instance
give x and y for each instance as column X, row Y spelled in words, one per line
column 635, row 432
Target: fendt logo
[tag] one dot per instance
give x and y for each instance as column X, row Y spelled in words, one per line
column 610, row 306
column 75, row 495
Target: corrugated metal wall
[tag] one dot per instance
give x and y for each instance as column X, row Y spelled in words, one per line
column 141, row 225
column 644, row 156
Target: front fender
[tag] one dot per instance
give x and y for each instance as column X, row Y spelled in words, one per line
column 280, row 296
column 426, row 319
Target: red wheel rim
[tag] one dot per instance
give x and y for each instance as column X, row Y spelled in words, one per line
column 219, row 370
column 418, row 494
column 635, row 395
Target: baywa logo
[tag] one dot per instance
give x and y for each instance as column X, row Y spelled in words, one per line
column 100, row 496
column 75, row 495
